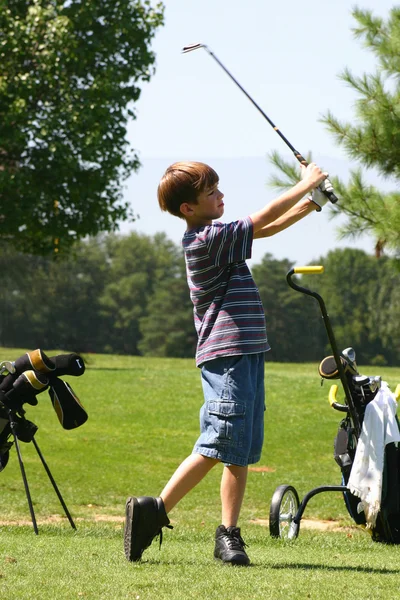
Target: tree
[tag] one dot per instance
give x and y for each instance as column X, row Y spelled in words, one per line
column 129, row 295
column 372, row 139
column 69, row 77
column 138, row 265
column 361, row 296
column 344, row 287
column 54, row 304
column 384, row 311
column 168, row 328
column 292, row 320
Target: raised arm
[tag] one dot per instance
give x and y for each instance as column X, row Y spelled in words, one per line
column 298, row 211
column 280, row 207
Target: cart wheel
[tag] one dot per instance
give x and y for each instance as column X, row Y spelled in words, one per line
column 284, row 506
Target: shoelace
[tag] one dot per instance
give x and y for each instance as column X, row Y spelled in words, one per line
column 160, row 533
column 235, row 540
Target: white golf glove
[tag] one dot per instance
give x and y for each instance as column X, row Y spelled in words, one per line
column 318, row 197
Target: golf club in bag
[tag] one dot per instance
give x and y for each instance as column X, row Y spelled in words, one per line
column 21, row 381
column 191, row 47
column 369, row 429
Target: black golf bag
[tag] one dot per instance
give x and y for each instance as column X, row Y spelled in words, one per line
column 21, row 381
column 363, row 390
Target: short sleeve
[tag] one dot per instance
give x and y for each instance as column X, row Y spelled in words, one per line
column 229, row 242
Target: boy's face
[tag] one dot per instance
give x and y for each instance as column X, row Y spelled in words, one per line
column 209, row 207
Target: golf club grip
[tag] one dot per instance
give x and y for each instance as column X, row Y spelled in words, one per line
column 300, row 158
column 331, row 196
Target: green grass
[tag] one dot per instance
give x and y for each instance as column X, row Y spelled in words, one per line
column 143, row 421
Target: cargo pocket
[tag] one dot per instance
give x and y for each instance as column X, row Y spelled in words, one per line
column 227, row 420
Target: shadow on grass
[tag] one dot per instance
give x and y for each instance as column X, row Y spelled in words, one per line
column 294, row 566
column 137, row 369
column 309, row 567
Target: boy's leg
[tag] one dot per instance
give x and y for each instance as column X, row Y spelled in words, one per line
column 234, row 393
column 233, row 486
column 189, row 473
column 229, row 545
column 146, row 516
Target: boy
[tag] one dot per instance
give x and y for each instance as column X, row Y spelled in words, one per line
column 232, row 342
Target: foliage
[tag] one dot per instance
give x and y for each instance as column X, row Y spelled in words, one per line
column 372, row 138
column 361, row 295
column 52, row 303
column 129, row 295
column 111, row 294
column 168, row 329
column 292, row 320
column 139, row 265
column 70, row 73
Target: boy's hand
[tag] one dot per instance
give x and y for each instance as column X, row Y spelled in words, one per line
column 318, row 197
column 313, row 175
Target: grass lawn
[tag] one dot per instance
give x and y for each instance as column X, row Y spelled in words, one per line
column 143, row 421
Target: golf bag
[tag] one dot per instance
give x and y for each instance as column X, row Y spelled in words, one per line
column 22, row 380
column 363, row 390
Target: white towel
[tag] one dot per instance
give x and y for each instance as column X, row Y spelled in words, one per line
column 378, row 429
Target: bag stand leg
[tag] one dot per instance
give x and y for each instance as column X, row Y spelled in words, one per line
column 24, row 478
column 57, row 491
column 26, row 486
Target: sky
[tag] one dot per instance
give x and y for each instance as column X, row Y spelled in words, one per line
column 288, row 56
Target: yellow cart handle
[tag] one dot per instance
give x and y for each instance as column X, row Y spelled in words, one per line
column 397, row 392
column 332, row 400
column 312, row 269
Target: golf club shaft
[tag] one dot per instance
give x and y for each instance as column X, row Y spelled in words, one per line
column 330, row 195
column 297, row 154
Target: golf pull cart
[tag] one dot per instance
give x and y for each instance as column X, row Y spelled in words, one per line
column 286, row 511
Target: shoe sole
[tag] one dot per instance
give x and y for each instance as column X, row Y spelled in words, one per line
column 233, row 563
column 132, row 510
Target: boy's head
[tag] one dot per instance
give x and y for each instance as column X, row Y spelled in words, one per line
column 182, row 183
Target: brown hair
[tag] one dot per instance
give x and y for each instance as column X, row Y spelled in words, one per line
column 183, row 182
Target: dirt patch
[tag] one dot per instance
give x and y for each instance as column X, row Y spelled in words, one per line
column 317, row 524
column 62, row 519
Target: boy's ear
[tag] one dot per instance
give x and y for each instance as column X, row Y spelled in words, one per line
column 186, row 209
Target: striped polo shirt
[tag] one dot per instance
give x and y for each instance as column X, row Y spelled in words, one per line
column 228, row 312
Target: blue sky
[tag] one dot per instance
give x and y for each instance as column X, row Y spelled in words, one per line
column 288, row 56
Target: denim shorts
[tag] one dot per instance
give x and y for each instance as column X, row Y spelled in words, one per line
column 232, row 416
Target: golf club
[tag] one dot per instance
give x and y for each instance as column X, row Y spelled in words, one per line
column 330, row 195
column 350, row 356
column 6, row 366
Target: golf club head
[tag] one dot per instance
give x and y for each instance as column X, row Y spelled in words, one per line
column 7, row 367
column 349, row 354
column 191, row 47
column 375, row 383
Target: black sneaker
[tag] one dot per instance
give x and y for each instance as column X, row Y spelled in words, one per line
column 229, row 546
column 144, row 519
